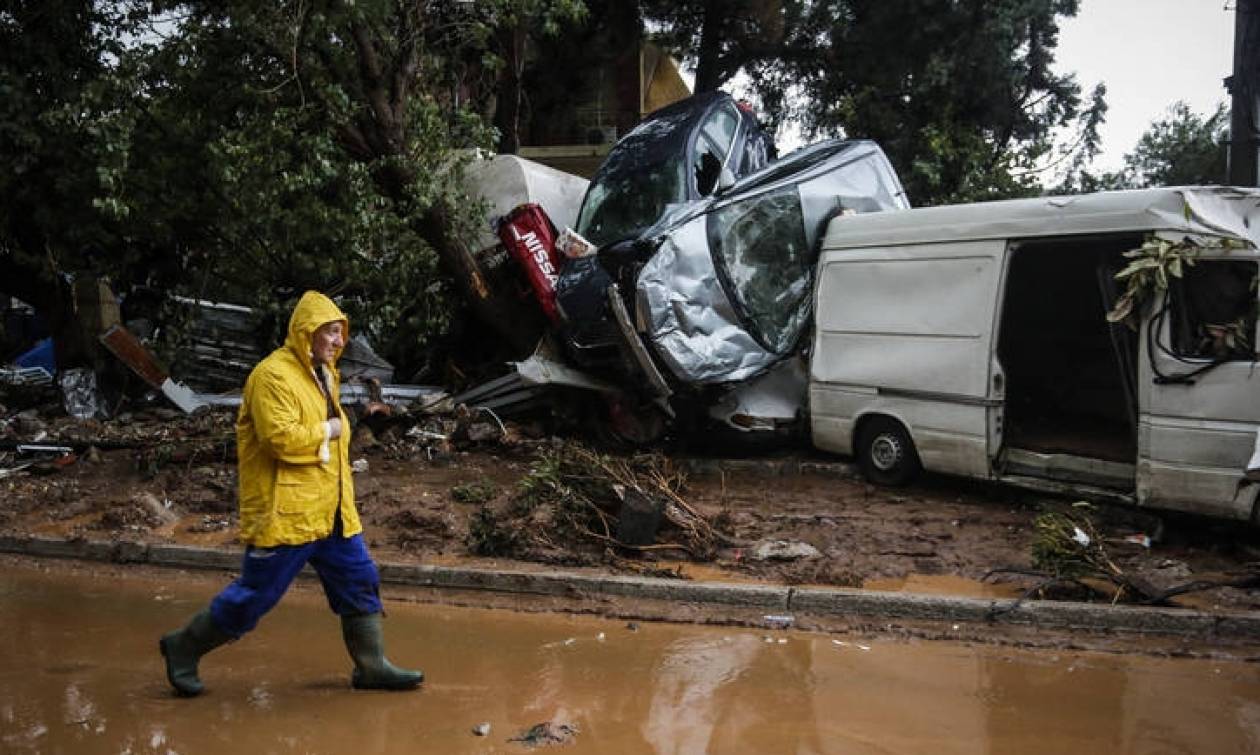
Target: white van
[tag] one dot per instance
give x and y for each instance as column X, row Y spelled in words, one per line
column 973, row 340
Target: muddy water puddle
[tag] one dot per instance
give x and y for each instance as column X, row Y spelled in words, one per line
column 80, row 673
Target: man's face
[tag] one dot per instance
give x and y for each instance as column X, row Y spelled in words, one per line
column 326, row 342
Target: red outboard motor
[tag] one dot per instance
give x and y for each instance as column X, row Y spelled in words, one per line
column 530, row 238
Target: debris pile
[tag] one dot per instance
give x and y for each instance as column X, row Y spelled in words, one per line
column 1069, row 551
column 571, row 495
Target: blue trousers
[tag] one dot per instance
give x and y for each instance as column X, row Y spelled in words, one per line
column 348, row 574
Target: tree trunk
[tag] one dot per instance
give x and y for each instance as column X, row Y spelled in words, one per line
column 708, row 64
column 507, row 112
column 516, row 321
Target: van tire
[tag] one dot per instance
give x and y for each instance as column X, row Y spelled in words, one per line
column 886, row 452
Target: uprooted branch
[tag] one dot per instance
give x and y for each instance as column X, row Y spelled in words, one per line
column 573, row 494
column 1069, row 550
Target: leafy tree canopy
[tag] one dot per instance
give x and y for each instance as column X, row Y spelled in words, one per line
column 1182, row 148
column 249, row 150
column 961, row 95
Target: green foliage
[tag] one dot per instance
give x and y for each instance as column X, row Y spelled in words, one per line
column 1181, row 149
column 491, row 535
column 962, row 95
column 723, row 38
column 1067, row 545
column 1146, row 276
column 473, row 492
column 246, row 152
column 1151, row 267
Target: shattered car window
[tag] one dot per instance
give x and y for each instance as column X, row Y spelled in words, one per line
column 1213, row 311
column 761, row 246
column 675, row 156
column 614, row 210
column 711, row 149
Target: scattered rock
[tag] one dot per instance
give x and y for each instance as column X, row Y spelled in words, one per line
column 546, row 734
column 481, row 729
column 783, row 550
column 480, row 432
column 28, row 423
column 160, row 512
column 211, row 524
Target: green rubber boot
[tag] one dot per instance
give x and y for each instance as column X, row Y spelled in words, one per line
column 371, row 670
column 183, row 648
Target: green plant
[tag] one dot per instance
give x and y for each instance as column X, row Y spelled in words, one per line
column 1146, row 276
column 149, row 461
column 1152, row 266
column 1223, row 340
column 1068, row 546
column 473, row 492
column 489, row 536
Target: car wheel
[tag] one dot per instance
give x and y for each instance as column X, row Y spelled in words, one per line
column 886, row 453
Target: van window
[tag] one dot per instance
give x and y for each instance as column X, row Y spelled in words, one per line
column 1213, row 311
column 761, row 247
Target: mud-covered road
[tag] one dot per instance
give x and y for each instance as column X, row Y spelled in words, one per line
column 80, row 672
column 162, row 477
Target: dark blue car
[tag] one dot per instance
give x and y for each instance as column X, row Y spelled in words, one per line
column 678, row 154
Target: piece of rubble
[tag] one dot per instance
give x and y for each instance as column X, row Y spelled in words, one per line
column 128, row 349
column 639, row 518
column 783, row 550
column 547, row 733
column 159, row 511
column 79, row 394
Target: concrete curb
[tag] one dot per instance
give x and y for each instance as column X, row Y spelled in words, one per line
column 821, row 602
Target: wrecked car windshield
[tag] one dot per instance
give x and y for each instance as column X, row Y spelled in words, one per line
column 619, row 206
column 761, row 247
column 642, row 174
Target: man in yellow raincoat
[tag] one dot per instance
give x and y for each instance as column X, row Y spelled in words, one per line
column 296, row 507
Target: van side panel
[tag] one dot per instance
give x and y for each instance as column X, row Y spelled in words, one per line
column 908, row 332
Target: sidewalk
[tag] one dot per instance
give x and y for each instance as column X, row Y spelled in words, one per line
column 782, row 603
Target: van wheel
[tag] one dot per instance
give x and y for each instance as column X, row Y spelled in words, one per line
column 886, row 453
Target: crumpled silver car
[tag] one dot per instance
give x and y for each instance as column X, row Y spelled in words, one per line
column 703, row 314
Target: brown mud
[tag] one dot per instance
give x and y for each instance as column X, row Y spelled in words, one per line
column 177, row 484
column 80, row 673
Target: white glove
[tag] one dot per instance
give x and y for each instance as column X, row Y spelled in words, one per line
column 334, row 428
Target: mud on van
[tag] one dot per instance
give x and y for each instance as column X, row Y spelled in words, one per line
column 974, row 340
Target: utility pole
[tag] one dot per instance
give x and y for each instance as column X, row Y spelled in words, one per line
column 1244, row 89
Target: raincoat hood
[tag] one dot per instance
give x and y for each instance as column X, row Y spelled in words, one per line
column 313, row 310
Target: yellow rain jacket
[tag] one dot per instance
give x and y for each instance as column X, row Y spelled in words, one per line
column 288, row 496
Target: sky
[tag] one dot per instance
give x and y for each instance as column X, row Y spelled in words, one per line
column 1149, row 53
